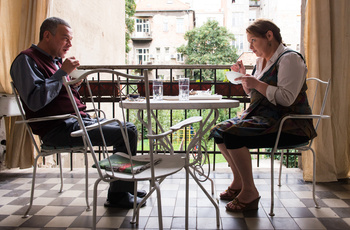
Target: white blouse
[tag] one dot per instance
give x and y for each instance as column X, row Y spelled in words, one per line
column 290, row 79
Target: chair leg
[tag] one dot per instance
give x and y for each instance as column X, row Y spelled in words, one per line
column 280, row 173
column 160, row 215
column 272, row 186
column 314, row 178
column 88, row 208
column 94, row 207
column 209, row 197
column 59, row 159
column 187, row 196
column 32, row 190
column 135, row 210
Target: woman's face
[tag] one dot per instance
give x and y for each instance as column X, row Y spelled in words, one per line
column 258, row 45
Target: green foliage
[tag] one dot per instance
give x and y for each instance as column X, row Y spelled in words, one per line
column 208, row 44
column 177, row 116
column 130, row 9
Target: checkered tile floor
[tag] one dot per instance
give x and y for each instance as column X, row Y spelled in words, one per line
column 52, row 210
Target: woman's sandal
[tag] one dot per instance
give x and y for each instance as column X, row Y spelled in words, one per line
column 237, row 206
column 229, row 194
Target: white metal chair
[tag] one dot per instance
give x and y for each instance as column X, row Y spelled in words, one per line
column 324, row 87
column 44, row 150
column 156, row 173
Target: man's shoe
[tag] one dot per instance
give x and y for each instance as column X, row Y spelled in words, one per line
column 140, row 193
column 126, row 201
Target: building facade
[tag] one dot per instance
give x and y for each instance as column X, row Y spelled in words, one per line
column 160, row 26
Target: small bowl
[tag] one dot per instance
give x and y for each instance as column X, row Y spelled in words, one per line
column 134, row 96
column 232, row 75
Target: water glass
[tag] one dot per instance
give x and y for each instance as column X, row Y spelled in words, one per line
column 158, row 89
column 184, row 89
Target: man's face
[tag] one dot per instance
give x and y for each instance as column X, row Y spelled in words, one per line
column 60, row 43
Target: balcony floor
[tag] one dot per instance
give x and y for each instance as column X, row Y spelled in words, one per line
column 294, row 207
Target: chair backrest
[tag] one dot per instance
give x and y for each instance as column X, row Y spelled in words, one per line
column 319, row 86
column 119, row 76
column 20, row 107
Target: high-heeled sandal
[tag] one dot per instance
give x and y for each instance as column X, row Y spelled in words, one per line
column 237, row 206
column 229, row 194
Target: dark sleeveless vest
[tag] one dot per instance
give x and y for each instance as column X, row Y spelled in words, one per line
column 263, row 117
column 59, row 105
column 260, row 106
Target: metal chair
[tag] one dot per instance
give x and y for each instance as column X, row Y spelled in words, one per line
column 316, row 115
column 44, row 150
column 160, row 165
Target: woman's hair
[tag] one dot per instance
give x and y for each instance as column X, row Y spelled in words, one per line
column 260, row 27
column 51, row 24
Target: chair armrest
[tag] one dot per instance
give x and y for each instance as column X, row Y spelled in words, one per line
column 48, row 118
column 176, row 127
column 160, row 135
column 79, row 133
column 186, row 122
column 97, row 110
column 305, row 116
column 295, row 116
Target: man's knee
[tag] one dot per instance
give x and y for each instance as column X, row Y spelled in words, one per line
column 132, row 131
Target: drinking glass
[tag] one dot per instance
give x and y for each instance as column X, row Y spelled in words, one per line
column 184, row 89
column 158, row 89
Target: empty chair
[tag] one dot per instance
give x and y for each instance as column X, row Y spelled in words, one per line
column 158, row 166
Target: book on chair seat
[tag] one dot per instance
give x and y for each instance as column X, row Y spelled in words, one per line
column 120, row 162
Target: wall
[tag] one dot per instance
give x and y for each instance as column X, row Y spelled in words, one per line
column 98, row 27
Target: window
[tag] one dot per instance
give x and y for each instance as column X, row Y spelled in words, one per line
column 158, row 53
column 142, row 25
column 142, row 56
column 167, row 55
column 237, row 19
column 165, row 25
column 179, row 57
column 238, row 43
column 180, row 25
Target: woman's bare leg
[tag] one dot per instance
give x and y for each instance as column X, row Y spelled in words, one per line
column 243, row 163
column 237, row 182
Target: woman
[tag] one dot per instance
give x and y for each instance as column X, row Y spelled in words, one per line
column 276, row 88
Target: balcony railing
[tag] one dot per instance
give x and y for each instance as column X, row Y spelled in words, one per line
column 201, row 76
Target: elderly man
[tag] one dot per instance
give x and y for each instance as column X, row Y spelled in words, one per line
column 37, row 74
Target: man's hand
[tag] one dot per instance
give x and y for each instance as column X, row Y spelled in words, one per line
column 70, row 64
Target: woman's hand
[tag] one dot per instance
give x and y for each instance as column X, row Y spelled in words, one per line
column 249, row 82
column 238, row 67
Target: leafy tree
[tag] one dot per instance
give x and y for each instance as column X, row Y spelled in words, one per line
column 130, row 9
column 208, row 44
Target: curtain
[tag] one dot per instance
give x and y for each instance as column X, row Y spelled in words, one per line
column 327, row 51
column 20, row 24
